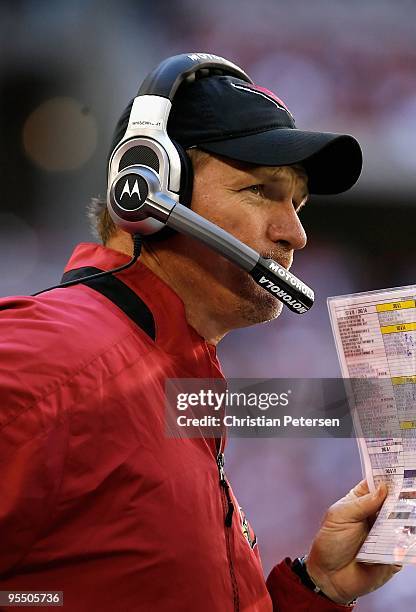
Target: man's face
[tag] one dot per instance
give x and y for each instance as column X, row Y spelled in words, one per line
column 257, row 205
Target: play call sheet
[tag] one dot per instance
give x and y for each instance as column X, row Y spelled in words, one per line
column 375, row 335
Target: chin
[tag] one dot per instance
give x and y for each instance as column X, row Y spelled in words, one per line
column 257, row 305
column 262, row 312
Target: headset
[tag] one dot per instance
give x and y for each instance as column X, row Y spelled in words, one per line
column 150, row 180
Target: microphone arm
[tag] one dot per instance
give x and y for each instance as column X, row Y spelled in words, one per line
column 267, row 273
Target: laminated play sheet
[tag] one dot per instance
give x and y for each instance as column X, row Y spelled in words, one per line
column 375, row 335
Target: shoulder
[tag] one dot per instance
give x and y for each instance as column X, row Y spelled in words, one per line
column 48, row 340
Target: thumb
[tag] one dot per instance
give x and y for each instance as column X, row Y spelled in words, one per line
column 360, row 508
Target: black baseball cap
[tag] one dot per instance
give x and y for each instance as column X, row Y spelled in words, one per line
column 229, row 117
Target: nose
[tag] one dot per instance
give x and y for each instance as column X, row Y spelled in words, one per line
column 285, row 226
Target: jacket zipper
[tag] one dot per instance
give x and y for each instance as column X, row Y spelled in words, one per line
column 225, row 486
column 228, row 508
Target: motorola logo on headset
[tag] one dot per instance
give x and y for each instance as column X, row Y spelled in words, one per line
column 131, row 191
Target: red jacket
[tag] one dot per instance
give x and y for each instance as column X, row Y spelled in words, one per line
column 95, row 500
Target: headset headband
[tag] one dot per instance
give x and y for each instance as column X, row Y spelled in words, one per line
column 150, row 111
column 165, row 79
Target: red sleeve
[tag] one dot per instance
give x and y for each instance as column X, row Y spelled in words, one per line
column 288, row 594
column 33, row 436
column 30, row 479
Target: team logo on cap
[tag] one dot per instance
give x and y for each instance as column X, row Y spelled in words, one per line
column 264, row 93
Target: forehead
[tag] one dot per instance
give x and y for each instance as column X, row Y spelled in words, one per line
column 236, row 170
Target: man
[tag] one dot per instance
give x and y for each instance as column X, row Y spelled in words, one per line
column 96, row 500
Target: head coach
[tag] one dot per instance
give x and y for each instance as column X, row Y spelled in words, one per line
column 95, row 500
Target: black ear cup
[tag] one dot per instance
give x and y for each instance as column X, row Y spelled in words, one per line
column 185, row 191
column 141, row 155
column 187, row 176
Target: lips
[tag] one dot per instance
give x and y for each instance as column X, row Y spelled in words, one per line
column 285, row 262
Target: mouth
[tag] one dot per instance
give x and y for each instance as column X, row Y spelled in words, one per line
column 285, row 262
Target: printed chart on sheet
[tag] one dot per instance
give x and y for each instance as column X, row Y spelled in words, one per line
column 375, row 335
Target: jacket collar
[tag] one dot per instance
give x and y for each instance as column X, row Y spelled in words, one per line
column 173, row 333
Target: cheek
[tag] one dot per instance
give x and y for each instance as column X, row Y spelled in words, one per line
column 206, row 199
column 228, row 212
column 246, row 223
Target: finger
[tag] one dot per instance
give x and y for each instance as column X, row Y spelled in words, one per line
column 358, row 491
column 356, row 508
column 389, row 569
column 372, row 519
column 361, row 488
column 379, row 573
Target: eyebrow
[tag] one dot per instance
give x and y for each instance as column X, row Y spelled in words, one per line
column 273, row 172
column 266, row 172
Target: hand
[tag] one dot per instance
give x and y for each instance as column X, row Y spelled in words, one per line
column 331, row 562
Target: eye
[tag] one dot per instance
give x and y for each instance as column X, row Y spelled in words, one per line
column 256, row 189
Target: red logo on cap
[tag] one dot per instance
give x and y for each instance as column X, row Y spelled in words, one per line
column 264, row 92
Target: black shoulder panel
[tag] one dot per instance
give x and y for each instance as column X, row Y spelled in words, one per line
column 118, row 293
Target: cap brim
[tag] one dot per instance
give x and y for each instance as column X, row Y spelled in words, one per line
column 333, row 162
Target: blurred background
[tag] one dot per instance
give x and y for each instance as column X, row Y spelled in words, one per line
column 68, row 68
